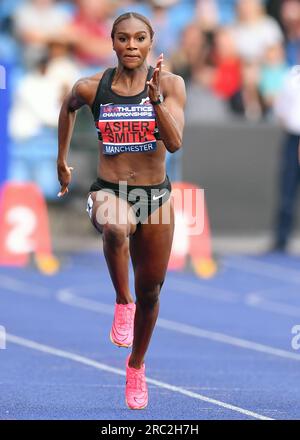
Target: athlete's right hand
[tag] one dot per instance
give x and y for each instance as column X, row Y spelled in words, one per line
column 64, row 177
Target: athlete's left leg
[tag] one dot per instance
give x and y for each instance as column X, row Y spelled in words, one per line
column 150, row 248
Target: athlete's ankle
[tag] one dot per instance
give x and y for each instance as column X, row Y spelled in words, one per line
column 124, row 299
column 134, row 363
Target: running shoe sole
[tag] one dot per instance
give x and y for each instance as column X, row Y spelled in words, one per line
column 118, row 345
column 129, row 407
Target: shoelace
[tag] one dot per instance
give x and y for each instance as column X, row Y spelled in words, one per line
column 137, row 380
column 124, row 317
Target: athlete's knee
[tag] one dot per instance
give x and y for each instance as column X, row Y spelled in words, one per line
column 148, row 299
column 147, row 295
column 114, row 235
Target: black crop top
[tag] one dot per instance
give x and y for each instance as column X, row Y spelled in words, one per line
column 124, row 123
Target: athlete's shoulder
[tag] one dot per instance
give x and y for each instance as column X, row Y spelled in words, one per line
column 173, row 85
column 85, row 88
column 169, row 80
column 166, row 75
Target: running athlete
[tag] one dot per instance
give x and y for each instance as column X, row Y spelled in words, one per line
column 139, row 114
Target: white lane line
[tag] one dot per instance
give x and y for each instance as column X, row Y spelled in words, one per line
column 188, row 287
column 270, row 270
column 104, row 367
column 67, row 297
column 23, row 287
column 256, row 299
column 253, row 299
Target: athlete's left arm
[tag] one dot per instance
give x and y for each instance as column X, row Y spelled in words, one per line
column 170, row 113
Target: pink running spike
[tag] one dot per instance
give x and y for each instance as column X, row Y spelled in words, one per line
column 136, row 392
column 121, row 333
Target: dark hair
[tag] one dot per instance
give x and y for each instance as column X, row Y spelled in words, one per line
column 136, row 15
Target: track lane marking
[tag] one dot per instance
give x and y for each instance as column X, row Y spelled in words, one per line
column 104, row 367
column 67, row 297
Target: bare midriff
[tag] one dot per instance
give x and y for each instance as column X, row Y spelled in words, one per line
column 135, row 168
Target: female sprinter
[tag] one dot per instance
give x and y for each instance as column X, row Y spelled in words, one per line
column 139, row 114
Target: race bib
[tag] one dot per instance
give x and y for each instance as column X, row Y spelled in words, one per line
column 127, row 128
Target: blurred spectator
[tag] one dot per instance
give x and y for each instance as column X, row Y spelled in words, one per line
column 10, row 53
column 273, row 8
column 254, row 30
column 36, row 103
column 7, row 10
column 89, row 32
column 203, row 73
column 169, row 18
column 248, row 101
column 34, row 118
column 202, row 104
column 9, row 50
column 273, row 72
column 142, row 7
column 207, row 13
column 226, row 79
column 213, row 13
column 227, row 11
column 287, row 108
column 37, row 22
column 61, row 67
column 290, row 12
column 191, row 51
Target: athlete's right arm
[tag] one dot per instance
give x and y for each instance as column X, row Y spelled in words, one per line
column 79, row 96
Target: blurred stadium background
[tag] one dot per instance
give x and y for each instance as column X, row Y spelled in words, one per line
column 236, row 58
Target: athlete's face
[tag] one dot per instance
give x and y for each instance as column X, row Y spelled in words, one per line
column 132, row 42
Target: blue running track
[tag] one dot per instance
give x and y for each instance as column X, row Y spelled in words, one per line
column 221, row 349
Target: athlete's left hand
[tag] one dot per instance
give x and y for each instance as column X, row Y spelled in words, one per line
column 154, row 83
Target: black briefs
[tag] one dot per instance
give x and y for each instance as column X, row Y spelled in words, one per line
column 144, row 199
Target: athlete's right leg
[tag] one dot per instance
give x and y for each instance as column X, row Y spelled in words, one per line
column 115, row 220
